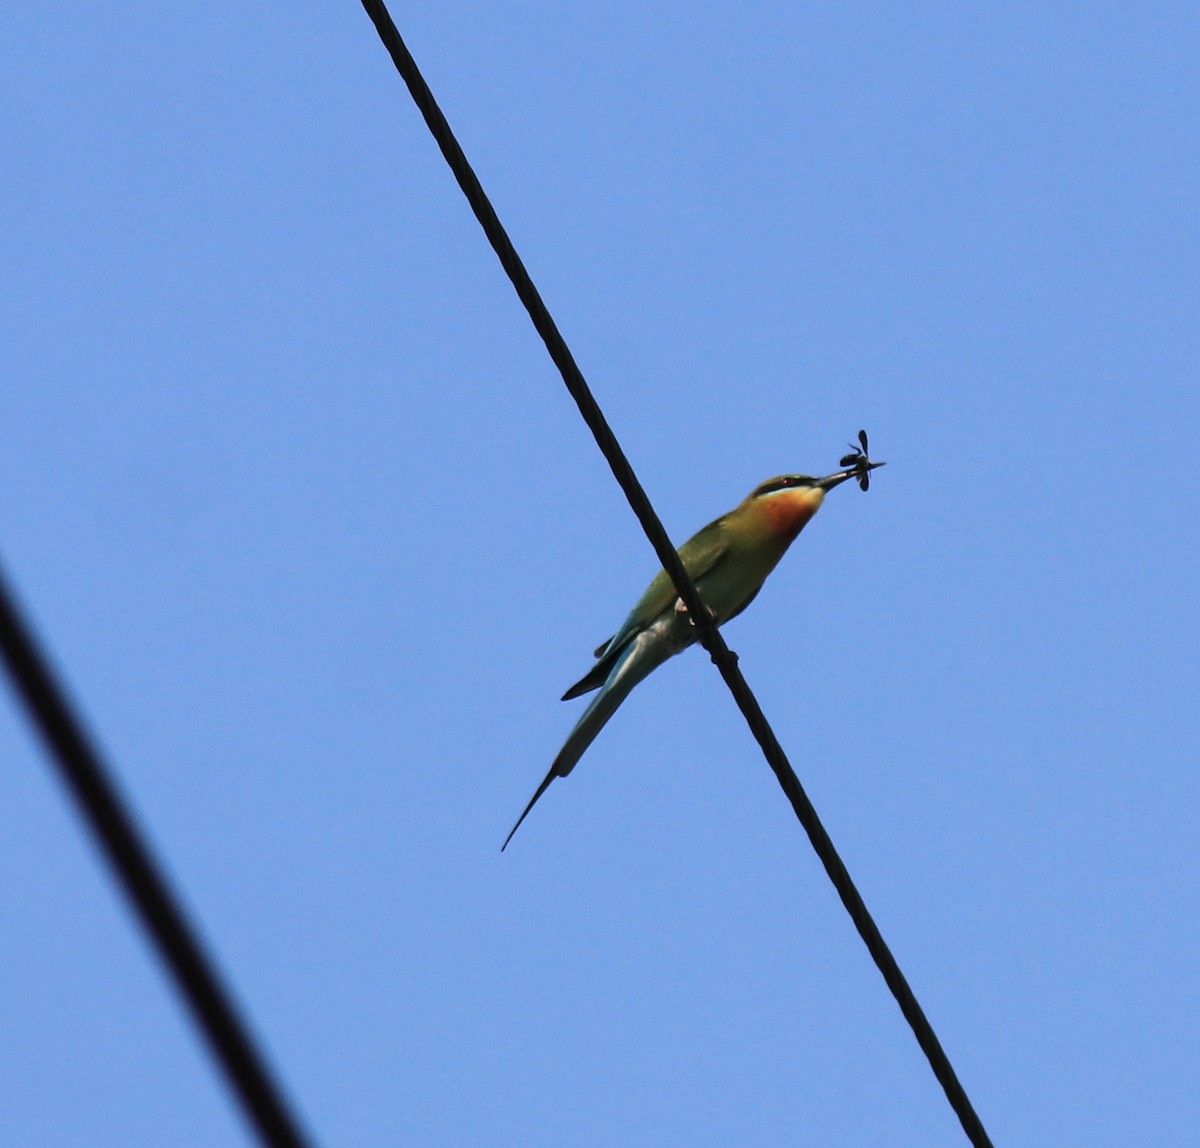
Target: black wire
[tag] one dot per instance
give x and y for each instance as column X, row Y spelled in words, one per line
column 722, row 656
column 84, row 774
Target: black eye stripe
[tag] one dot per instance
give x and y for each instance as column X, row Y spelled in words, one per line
column 783, row 482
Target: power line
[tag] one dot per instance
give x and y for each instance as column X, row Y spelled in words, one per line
column 82, row 771
column 724, row 659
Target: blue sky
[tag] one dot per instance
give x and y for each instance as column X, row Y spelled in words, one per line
column 297, row 501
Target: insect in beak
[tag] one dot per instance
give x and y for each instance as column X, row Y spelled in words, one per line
column 859, row 460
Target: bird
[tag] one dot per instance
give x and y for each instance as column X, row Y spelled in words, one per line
column 728, row 560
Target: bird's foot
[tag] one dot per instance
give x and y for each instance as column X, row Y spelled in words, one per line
column 680, row 608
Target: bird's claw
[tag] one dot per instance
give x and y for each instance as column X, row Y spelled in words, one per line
column 680, row 608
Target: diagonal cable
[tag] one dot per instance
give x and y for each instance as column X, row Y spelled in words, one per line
column 84, row 774
column 722, row 656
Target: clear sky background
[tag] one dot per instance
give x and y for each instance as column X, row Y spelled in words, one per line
column 301, row 508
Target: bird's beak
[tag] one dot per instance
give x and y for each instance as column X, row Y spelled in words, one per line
column 838, row 477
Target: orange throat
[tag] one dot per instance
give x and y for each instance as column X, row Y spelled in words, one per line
column 788, row 512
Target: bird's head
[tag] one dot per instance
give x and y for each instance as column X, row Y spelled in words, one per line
column 782, row 505
column 785, row 503
column 857, row 465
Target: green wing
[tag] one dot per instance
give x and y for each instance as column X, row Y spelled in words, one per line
column 700, row 554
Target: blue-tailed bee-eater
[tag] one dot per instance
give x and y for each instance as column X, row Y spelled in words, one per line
column 728, row 561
